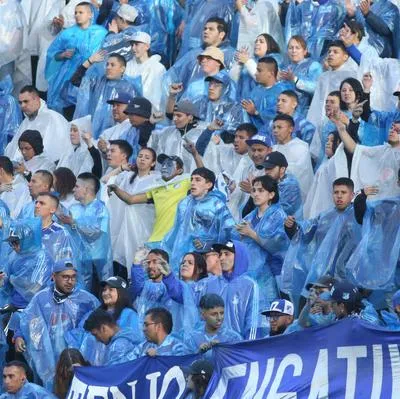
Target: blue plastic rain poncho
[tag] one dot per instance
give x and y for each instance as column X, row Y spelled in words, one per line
column 382, row 25
column 91, row 232
column 197, row 12
column 121, row 347
column 267, row 256
column 94, row 351
column 374, row 261
column 29, row 270
column 10, row 113
column 207, row 219
column 290, row 196
column 303, row 129
column 171, row 346
column 321, row 246
column 43, row 325
column 383, row 122
column 149, row 294
column 31, row 391
column 84, row 42
column 315, row 22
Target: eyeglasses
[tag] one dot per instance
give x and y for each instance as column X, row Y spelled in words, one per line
column 68, row 278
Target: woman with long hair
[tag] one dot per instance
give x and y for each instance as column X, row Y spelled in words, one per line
column 63, row 183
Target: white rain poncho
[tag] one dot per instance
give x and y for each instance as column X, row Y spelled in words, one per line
column 18, row 197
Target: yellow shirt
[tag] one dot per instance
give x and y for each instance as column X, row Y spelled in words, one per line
column 166, row 200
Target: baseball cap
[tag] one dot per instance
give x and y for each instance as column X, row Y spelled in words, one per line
column 64, row 265
column 127, row 12
column 200, row 367
column 121, row 97
column 221, row 77
column 229, row 246
column 343, row 291
column 323, row 282
column 282, row 306
column 187, row 107
column 215, row 53
column 275, row 158
column 114, row 282
column 208, row 247
column 139, row 106
column 141, row 37
column 259, row 139
column 162, row 157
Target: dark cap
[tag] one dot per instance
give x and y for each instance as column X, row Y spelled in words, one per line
column 343, row 291
column 139, row 106
column 121, row 97
column 114, row 282
column 323, row 282
column 397, row 93
column 200, row 367
column 187, row 107
column 208, row 247
column 162, row 157
column 273, row 159
column 229, row 246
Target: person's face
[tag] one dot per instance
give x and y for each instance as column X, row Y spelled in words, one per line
column 118, row 112
column 258, row 152
column 145, row 160
column 29, row 103
column 109, row 295
column 215, row 90
column 199, row 186
column 101, row 334
column 342, row 196
column 213, row 317
column 296, row 52
column 211, row 35
column 279, row 322
column 212, row 261
column 394, row 134
column 15, row 245
column 187, row 267
column 332, row 103
column 181, row 120
column 286, row 104
column 65, row 281
column 282, row 131
column 329, row 150
column 137, row 120
column 227, row 259
column 209, row 66
column 336, row 57
column 74, row 135
column 37, row 185
column 169, row 169
column 260, row 195
column 13, row 379
column 139, row 49
column 260, row 46
column 80, row 190
column 152, row 266
column 27, row 150
column 83, row 15
column 115, row 157
column 264, row 74
column 397, row 309
column 114, row 69
column 120, row 23
column 277, row 172
column 44, row 206
column 239, row 143
column 150, row 329
column 347, row 94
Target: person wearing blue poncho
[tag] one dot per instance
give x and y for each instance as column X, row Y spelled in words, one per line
column 16, row 384
column 263, row 234
column 52, row 311
column 69, row 50
column 261, row 104
column 90, row 227
column 391, row 319
column 322, row 245
column 120, row 342
column 202, row 217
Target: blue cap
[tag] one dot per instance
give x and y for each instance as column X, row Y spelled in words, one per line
column 259, row 139
column 121, row 97
column 221, row 77
column 282, row 306
column 64, row 265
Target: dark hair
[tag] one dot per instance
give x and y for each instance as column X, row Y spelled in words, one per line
column 269, row 184
column 222, row 26
column 270, row 61
column 338, row 43
column 51, row 196
column 124, row 301
column 272, row 45
column 119, row 57
column 160, row 252
column 135, row 169
column 6, row 165
column 124, row 147
column 29, row 89
column 249, row 128
column 65, row 372
column 300, row 39
column 355, row 27
column 284, row 117
column 344, row 181
column 207, row 174
column 17, row 363
column 358, row 90
column 91, row 179
column 163, row 316
column 65, row 181
column 34, row 138
column 98, row 318
column 46, row 176
column 291, row 94
column 200, row 266
column 211, row 301
column 334, row 93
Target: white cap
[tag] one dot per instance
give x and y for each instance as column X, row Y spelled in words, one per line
column 282, row 306
column 141, row 37
column 127, row 12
